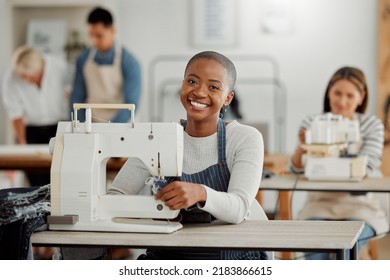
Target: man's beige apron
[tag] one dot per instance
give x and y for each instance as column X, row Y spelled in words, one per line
column 104, row 84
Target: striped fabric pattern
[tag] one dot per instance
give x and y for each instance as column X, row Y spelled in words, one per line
column 216, row 176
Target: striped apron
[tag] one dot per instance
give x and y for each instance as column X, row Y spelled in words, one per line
column 217, row 177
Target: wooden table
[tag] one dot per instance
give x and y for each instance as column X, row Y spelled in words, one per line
column 305, row 236
column 287, row 183
column 301, row 183
column 37, row 158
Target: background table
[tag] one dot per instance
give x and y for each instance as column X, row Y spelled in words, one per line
column 37, row 158
column 301, row 183
column 287, row 183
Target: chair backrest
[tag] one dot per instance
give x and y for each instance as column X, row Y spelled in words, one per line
column 384, row 202
column 256, row 213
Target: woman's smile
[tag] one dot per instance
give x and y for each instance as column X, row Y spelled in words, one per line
column 197, row 105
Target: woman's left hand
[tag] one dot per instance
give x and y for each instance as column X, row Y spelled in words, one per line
column 179, row 195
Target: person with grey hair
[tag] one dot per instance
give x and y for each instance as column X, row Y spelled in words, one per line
column 106, row 72
column 34, row 96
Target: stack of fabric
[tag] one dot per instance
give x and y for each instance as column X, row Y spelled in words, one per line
column 22, row 211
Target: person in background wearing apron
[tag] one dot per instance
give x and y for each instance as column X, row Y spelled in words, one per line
column 105, row 72
column 222, row 164
column 34, row 96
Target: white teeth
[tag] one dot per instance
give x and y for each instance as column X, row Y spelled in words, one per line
column 198, row 105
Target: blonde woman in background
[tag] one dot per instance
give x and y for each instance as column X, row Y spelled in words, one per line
column 34, row 96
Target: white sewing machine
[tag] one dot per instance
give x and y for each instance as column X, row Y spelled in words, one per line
column 332, row 144
column 78, row 173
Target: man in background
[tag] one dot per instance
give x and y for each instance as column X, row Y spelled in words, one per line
column 106, row 72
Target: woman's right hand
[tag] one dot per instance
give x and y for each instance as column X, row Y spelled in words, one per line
column 301, row 136
column 179, row 195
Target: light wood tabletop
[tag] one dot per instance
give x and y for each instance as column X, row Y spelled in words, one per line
column 286, row 184
column 328, row 236
column 37, row 158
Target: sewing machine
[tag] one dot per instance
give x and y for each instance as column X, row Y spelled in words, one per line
column 332, row 145
column 79, row 201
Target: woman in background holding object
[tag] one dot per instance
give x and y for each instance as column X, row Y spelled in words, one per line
column 347, row 95
column 34, row 96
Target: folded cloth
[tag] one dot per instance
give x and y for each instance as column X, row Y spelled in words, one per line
column 22, row 211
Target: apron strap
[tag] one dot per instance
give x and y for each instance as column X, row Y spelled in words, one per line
column 117, row 54
column 221, row 141
column 92, row 53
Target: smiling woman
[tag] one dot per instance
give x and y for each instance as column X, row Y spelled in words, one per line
column 207, row 86
column 346, row 93
column 222, row 163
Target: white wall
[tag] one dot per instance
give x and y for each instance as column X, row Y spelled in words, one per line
column 4, row 27
column 326, row 34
